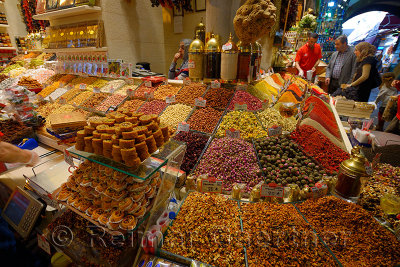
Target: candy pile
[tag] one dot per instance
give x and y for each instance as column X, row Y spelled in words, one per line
column 195, row 144
column 29, row 82
column 94, row 100
column 271, row 117
column 174, row 114
column 130, row 105
column 190, row 92
column 141, row 90
column 112, row 86
column 243, row 121
column 165, row 90
column 111, row 102
column 99, row 83
column 56, row 94
column 205, row 119
column 218, row 97
column 153, row 107
column 80, row 98
column 232, row 160
column 242, row 97
column 213, row 227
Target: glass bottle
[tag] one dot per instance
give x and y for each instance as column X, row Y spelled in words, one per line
column 229, row 60
column 212, row 54
column 243, row 61
column 196, row 59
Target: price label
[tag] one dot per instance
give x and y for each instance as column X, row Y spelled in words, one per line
column 170, row 99
column 113, row 108
column 215, row 84
column 232, row 133
column 211, row 185
column 376, row 160
column 43, row 244
column 183, row 127
column 62, row 84
column 130, row 92
column 26, row 52
column 368, row 168
column 165, row 82
column 62, row 100
column 187, row 81
column 275, row 130
column 242, row 87
column 147, row 83
column 149, row 95
column 112, row 90
column 240, row 106
column 129, row 81
column 82, row 86
column 96, row 90
column 200, row 102
column 68, row 158
column 319, row 190
column 271, row 190
column 191, row 64
column 265, row 104
column 227, row 47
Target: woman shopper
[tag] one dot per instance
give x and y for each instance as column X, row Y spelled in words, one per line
column 366, row 75
column 386, row 90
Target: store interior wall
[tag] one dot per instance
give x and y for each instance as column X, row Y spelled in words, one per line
column 15, row 21
column 171, row 39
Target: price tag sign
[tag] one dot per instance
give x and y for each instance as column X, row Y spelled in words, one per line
column 43, row 244
column 62, row 84
column 227, row 47
column 112, row 90
column 113, row 108
column 147, row 83
column 200, row 102
column 26, row 52
column 376, row 160
column 96, row 90
column 82, row 86
column 211, row 185
column 265, row 104
column 275, row 130
column 368, row 168
column 232, row 133
column 272, row 190
column 149, row 95
column 191, row 64
column 39, row 98
column 240, row 106
column 170, row 99
column 242, row 87
column 187, row 81
column 129, row 81
column 183, row 127
column 319, row 190
column 215, row 84
column 130, row 92
column 68, row 158
column 165, row 82
column 62, row 100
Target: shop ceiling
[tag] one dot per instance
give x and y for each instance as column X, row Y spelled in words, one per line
column 357, row 7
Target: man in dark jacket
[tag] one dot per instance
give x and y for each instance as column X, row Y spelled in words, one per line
column 341, row 67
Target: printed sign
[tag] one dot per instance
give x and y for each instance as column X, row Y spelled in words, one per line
column 191, row 64
column 232, row 133
column 319, row 190
column 43, row 244
column 183, row 127
column 200, row 102
column 96, row 90
column 227, row 47
column 147, row 84
column 272, row 190
column 240, row 106
column 68, row 158
column 211, row 185
column 187, row 81
column 82, row 86
column 215, row 84
column 274, row 130
column 130, row 92
column 149, row 95
column 170, row 99
column 242, row 86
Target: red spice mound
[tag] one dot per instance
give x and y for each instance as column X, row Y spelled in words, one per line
column 318, row 146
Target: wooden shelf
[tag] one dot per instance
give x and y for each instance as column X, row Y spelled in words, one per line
column 80, row 49
column 68, row 12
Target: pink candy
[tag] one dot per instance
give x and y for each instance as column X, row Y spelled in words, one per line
column 153, row 107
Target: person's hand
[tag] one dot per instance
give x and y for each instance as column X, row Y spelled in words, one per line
column 313, row 69
column 177, row 56
column 34, row 159
column 327, row 81
column 301, row 73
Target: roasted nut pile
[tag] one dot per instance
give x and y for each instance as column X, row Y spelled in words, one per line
column 218, row 97
column 112, row 100
column 277, row 235
column 165, row 90
column 14, row 131
column 207, row 229
column 94, row 100
column 70, row 93
column 29, row 82
column 243, row 121
column 131, row 105
column 124, row 89
column 252, row 102
column 190, row 92
column 46, row 109
column 195, row 144
column 205, row 119
column 141, row 90
column 112, row 85
column 270, row 117
column 80, row 98
column 153, row 107
column 353, row 235
column 231, row 160
column 174, row 114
